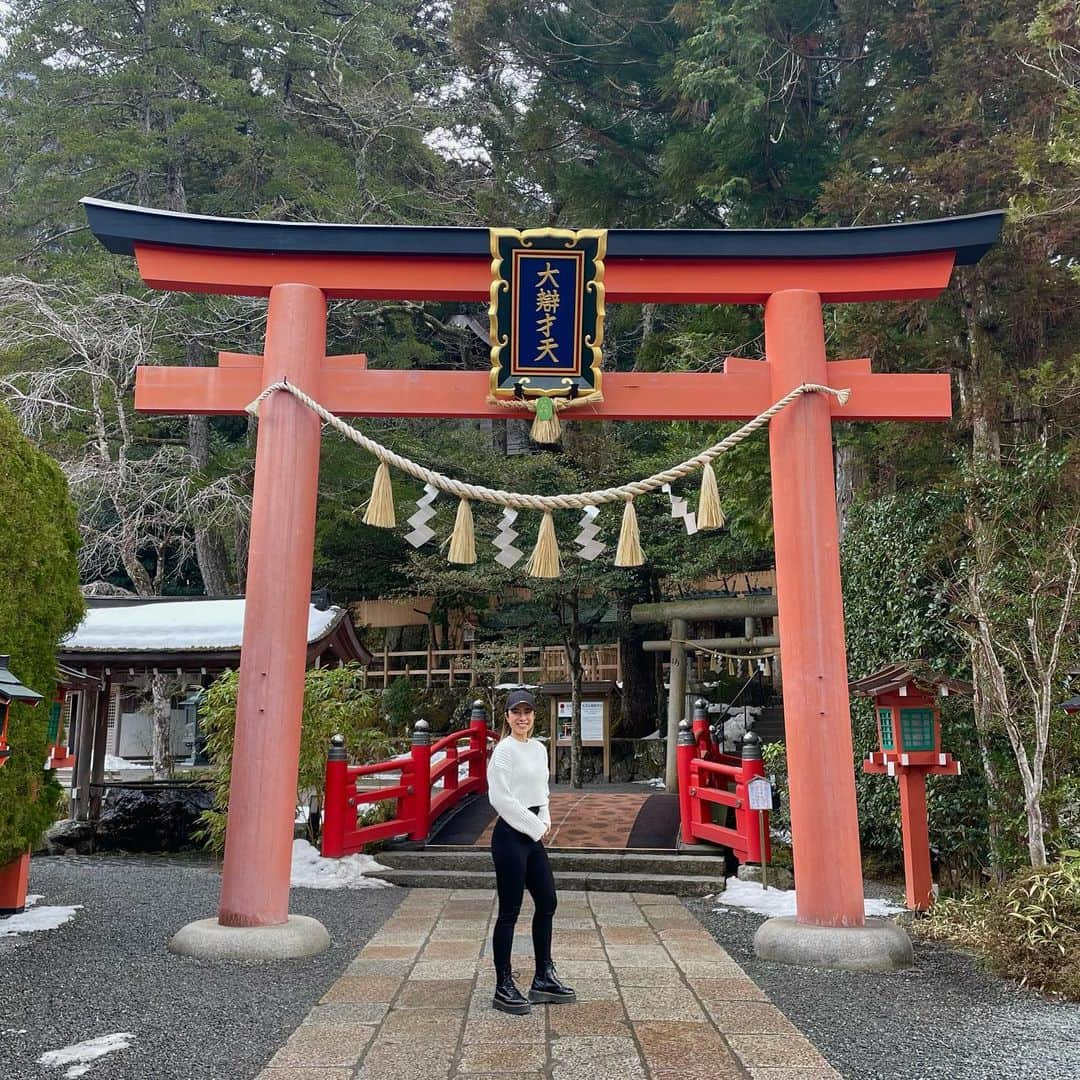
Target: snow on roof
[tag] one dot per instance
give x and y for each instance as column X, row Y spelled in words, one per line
column 154, row 627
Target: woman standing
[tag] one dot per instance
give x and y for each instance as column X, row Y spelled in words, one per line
column 518, row 790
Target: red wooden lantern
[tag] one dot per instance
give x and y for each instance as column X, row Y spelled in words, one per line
column 11, row 690
column 909, row 747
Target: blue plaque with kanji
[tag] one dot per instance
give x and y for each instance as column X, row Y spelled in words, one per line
column 546, row 312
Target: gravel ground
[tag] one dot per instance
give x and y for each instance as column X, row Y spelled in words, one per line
column 944, row 1017
column 108, row 970
column 194, row 1021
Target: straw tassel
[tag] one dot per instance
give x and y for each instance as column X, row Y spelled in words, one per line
column 380, row 509
column 544, row 561
column 545, row 426
column 709, row 514
column 842, row 396
column 629, row 551
column 463, row 540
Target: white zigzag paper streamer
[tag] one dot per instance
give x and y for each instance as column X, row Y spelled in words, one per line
column 586, row 539
column 421, row 534
column 679, row 510
column 504, row 540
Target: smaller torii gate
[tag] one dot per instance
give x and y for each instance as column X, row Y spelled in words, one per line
column 678, row 613
column 792, row 272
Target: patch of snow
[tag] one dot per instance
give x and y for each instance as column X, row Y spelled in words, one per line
column 653, row 782
column 311, row 871
column 120, row 764
column 35, row 918
column 80, row 1057
column 750, row 896
column 204, row 624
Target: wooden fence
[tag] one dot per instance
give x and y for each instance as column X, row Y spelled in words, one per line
column 459, row 667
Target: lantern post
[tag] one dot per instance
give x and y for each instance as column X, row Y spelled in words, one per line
column 909, row 747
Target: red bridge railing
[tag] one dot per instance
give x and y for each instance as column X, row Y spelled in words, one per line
column 422, row 794
column 708, row 777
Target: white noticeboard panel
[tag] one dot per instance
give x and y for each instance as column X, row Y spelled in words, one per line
column 592, row 719
column 759, row 793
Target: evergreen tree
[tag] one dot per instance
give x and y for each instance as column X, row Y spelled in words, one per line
column 39, row 603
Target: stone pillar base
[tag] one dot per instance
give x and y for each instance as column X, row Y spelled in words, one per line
column 207, row 939
column 880, row 945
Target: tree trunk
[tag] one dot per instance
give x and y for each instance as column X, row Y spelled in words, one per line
column 848, row 478
column 639, row 691
column 1036, row 832
column 162, row 718
column 983, row 726
column 980, row 410
column 575, row 724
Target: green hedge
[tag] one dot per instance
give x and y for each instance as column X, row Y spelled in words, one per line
column 39, row 603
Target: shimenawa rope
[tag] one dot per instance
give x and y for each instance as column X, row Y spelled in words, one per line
column 545, row 503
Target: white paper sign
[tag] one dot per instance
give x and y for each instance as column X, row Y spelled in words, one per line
column 759, row 792
column 592, row 719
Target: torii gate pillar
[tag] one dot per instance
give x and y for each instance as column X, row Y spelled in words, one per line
column 270, row 694
column 817, row 723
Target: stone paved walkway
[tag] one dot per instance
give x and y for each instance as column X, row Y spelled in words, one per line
column 657, row 998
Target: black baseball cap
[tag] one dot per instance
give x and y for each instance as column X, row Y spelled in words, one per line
column 520, row 697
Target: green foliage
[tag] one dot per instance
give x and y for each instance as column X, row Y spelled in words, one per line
column 39, row 603
column 895, row 559
column 399, row 703
column 775, row 757
column 334, row 703
column 1029, row 929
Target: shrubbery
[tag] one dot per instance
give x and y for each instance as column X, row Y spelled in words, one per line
column 334, row 703
column 39, row 603
column 1028, row 929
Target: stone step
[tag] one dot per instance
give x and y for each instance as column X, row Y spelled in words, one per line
column 671, row 884
column 588, row 862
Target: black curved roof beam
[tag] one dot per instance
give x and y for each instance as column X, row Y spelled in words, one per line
column 189, row 252
column 120, row 227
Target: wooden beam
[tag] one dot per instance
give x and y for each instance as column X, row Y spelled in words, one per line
column 353, row 391
column 768, row 641
column 434, row 277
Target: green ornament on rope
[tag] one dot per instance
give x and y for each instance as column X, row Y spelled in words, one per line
column 546, row 427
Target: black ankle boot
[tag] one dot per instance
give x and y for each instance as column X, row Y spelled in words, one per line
column 508, row 998
column 546, row 987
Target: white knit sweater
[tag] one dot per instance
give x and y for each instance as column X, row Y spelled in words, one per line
column 517, row 779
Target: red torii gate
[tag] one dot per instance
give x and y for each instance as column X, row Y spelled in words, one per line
column 299, row 266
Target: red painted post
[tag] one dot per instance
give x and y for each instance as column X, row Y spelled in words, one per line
column 420, row 801
column 270, row 696
column 824, row 820
column 746, row 820
column 450, row 777
column 684, row 754
column 918, row 879
column 478, row 744
column 700, row 728
column 14, row 876
column 336, row 810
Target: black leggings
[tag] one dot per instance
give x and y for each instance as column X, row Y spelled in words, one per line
column 521, row 863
